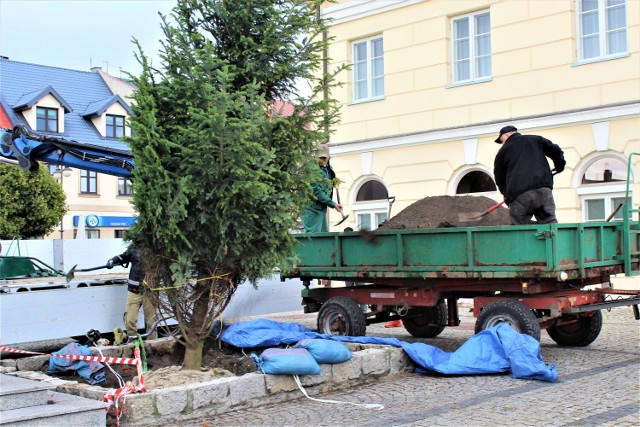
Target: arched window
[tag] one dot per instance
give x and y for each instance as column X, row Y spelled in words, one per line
column 602, row 188
column 372, row 190
column 475, row 182
column 371, row 205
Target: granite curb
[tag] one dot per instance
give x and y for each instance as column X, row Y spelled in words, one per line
column 369, row 363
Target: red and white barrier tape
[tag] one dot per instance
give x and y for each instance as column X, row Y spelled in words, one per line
column 116, row 397
column 114, row 360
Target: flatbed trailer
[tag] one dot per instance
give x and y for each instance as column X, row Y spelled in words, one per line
column 553, row 276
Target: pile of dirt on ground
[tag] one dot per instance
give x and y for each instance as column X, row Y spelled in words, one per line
column 446, row 212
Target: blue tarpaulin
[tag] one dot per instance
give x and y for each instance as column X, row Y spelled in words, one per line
column 92, row 372
column 495, row 350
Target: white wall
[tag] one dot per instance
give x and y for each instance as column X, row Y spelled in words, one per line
column 271, row 296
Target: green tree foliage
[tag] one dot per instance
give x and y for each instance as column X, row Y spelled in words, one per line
column 31, row 203
column 221, row 169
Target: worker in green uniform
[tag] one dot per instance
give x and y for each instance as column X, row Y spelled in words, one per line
column 314, row 216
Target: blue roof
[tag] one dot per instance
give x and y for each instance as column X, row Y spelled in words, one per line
column 99, row 107
column 22, row 83
column 31, row 99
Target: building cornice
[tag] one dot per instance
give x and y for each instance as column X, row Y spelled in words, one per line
column 490, row 129
column 358, row 9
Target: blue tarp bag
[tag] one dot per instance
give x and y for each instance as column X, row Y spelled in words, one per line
column 286, row 361
column 265, row 333
column 325, row 351
column 92, row 372
column 497, row 349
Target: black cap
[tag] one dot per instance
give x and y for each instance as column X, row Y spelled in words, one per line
column 504, row 130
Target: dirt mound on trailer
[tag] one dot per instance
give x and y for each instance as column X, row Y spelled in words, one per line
column 443, row 212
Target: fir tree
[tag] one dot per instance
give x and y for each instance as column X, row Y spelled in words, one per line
column 221, row 169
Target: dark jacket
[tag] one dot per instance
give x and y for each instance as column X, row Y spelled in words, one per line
column 132, row 256
column 521, row 165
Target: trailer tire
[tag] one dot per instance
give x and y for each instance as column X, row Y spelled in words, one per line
column 510, row 311
column 429, row 322
column 579, row 334
column 341, row 316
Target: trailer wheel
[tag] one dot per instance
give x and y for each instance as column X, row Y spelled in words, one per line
column 429, row 322
column 341, row 316
column 580, row 333
column 510, row 311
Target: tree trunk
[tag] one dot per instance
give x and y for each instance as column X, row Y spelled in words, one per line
column 193, row 356
column 194, row 345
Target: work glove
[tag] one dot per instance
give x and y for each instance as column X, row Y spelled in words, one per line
column 110, row 263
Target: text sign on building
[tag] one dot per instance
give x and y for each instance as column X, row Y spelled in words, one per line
column 93, row 221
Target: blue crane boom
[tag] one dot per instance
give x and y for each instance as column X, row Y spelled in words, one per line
column 27, row 149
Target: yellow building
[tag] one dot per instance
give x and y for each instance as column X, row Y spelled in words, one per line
column 432, row 81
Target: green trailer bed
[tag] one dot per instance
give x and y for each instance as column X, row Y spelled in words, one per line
column 582, row 251
column 532, row 276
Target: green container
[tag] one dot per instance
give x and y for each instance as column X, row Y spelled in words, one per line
column 526, row 251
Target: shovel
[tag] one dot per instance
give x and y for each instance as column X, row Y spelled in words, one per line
column 477, row 216
column 71, row 273
column 344, row 217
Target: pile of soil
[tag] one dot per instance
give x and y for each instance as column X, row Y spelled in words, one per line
column 446, row 212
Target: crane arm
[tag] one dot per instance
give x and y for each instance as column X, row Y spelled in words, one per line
column 26, row 149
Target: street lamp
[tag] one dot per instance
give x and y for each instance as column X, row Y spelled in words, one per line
column 59, row 174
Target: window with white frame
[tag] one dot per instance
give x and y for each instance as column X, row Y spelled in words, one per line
column 368, row 69
column 602, row 28
column 471, row 43
column 602, row 190
column 476, row 182
column 371, row 205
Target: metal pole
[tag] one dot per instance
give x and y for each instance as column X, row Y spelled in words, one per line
column 62, row 221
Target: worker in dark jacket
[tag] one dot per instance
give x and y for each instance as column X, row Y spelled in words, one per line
column 136, row 297
column 314, row 217
column 524, row 177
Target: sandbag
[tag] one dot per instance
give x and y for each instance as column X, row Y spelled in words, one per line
column 325, row 351
column 286, row 361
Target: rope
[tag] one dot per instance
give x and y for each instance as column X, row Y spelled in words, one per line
column 118, row 377
column 375, row 406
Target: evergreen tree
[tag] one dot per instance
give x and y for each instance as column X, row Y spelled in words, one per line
column 32, row 204
column 221, row 168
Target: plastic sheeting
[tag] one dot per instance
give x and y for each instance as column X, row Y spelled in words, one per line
column 92, row 372
column 499, row 349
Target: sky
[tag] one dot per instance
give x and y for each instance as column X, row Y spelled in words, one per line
column 81, row 34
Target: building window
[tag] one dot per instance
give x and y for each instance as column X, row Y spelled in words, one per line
column 46, row 119
column 471, row 47
column 602, row 26
column 88, row 182
column 119, row 234
column 115, row 126
column 476, row 182
column 368, row 69
column 92, row 234
column 602, row 189
column 372, row 205
column 124, row 187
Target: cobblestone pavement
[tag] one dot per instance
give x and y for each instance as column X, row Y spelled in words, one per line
column 598, row 385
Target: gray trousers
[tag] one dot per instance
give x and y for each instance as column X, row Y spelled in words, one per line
column 538, row 203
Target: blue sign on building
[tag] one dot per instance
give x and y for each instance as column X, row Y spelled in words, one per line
column 94, row 221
